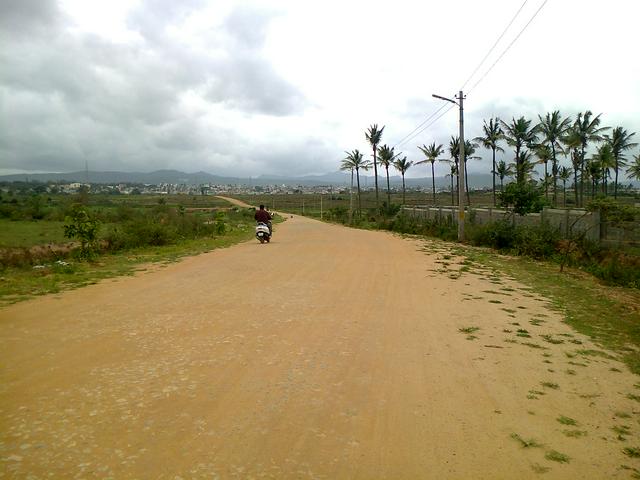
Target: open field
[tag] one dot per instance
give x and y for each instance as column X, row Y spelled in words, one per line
column 341, row 353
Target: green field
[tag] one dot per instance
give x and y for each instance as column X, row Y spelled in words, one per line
column 27, row 233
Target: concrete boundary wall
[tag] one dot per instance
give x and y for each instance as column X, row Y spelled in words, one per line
column 567, row 221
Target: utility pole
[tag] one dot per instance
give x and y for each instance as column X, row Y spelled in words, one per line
column 461, row 181
column 462, row 172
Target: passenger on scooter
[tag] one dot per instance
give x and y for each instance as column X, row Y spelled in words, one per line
column 263, row 216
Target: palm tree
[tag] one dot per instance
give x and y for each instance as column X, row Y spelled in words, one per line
column 502, row 171
column 552, row 128
column 453, row 173
column 525, row 167
column 374, row 135
column 564, row 173
column 402, row 165
column 633, row 170
column 454, row 153
column 519, row 134
column 469, row 150
column 432, row 152
column 355, row 160
column 588, row 130
column 492, row 135
column 544, row 154
column 620, row 141
column 606, row 160
column 386, row 156
column 572, row 142
column 593, row 170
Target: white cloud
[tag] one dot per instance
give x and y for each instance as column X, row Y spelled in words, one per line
column 241, row 88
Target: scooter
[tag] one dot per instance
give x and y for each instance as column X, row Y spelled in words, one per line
column 263, row 232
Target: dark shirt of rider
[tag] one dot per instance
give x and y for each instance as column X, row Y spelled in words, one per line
column 262, row 215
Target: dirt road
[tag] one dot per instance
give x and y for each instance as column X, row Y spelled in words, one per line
column 329, row 353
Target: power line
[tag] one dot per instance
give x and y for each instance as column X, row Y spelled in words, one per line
column 428, row 125
column 422, row 127
column 508, row 46
column 493, row 46
column 406, row 137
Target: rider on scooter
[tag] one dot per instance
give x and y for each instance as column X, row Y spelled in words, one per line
column 263, row 216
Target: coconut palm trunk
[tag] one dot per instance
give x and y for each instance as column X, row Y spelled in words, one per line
column 433, row 182
column 388, row 188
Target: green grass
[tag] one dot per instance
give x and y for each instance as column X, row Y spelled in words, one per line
column 469, row 330
column 632, row 452
column 26, row 233
column 606, row 314
column 574, row 433
column 555, row 456
column 17, row 284
column 566, row 420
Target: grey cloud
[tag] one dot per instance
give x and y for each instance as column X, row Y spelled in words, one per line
column 22, row 17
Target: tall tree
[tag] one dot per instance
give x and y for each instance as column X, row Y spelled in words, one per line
column 432, row 152
column 492, row 134
column 519, row 134
column 374, row 135
column 572, row 142
column 386, row 156
column 469, row 150
column 620, row 141
column 605, row 159
column 552, row 128
column 402, row 165
column 588, row 129
column 564, row 174
column 355, row 160
column 633, row 170
column 503, row 171
column 454, row 153
column 544, row 154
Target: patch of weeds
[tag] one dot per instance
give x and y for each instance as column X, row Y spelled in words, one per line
column 510, row 340
column 468, row 330
column 551, row 370
column 539, row 468
column 575, row 341
column 566, row 420
column 631, row 396
column 547, row 361
column 515, row 324
column 568, row 371
column 534, row 394
column 531, row 443
column 508, row 310
column 523, row 333
column 532, row 345
column 622, row 430
column 471, row 337
column 556, row 456
column 536, row 323
column 589, row 396
column 574, row 433
column 622, row 415
column 614, row 369
column 506, row 330
column 551, row 385
column 546, row 354
column 632, row 452
column 495, row 301
column 595, row 353
column 577, row 364
column 570, row 355
column 549, row 339
column 521, row 307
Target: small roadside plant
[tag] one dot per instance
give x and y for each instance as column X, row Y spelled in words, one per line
column 84, row 228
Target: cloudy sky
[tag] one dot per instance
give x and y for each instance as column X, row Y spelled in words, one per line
column 284, row 87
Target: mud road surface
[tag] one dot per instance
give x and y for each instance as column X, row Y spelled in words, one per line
column 330, row 353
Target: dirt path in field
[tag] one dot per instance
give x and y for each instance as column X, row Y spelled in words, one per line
column 330, row 353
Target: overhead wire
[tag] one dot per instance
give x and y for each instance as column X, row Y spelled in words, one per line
column 494, row 45
column 508, row 46
column 424, row 125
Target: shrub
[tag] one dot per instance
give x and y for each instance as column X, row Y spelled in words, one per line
column 523, row 198
column 84, row 228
